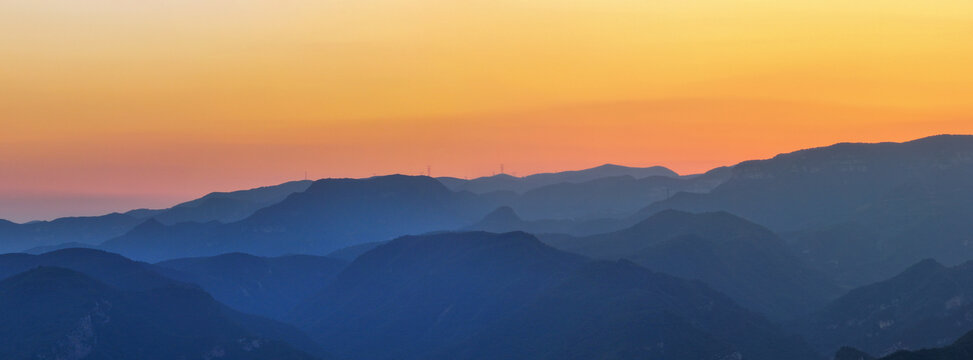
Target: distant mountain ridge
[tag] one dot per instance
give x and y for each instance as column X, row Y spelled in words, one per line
column 822, row 180
column 605, row 197
column 331, row 214
column 88, row 230
column 856, row 211
column 598, row 192
column 505, row 182
column 225, row 207
column 93, row 230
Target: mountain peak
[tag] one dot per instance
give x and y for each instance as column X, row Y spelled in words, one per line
column 450, row 249
column 397, row 182
column 500, row 218
column 83, row 252
column 42, row 279
column 148, row 225
column 924, row 267
column 608, row 166
column 941, row 138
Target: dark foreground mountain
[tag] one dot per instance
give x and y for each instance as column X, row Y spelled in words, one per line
column 56, row 313
column 928, row 305
column 962, row 349
column 618, row 310
column 504, row 182
column 257, row 285
column 331, row 214
column 862, row 212
column 483, row 295
column 739, row 258
column 415, row 294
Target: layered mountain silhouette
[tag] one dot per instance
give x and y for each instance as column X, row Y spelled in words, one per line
column 605, row 263
column 41, row 236
column 608, row 197
column 602, row 197
column 588, row 208
column 455, row 295
column 86, row 230
column 111, row 269
column 828, row 185
column 744, row 260
column 155, row 241
column 331, row 214
column 225, row 207
column 257, row 285
column 504, row 182
column 884, row 205
column 56, row 313
column 249, row 217
column 928, row 305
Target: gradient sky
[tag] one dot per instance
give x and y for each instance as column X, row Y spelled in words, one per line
column 108, row 105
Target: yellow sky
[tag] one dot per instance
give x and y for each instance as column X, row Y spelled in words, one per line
column 176, row 98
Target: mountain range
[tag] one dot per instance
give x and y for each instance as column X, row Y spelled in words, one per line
column 927, row 305
column 504, row 182
column 331, row 214
column 93, row 230
column 606, row 197
column 268, row 287
column 483, row 295
column 862, row 249
column 83, row 303
column 859, row 212
column 224, row 207
column 739, row 258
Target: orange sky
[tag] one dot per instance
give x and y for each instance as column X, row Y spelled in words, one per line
column 108, row 105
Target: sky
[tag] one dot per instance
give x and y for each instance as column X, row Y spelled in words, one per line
column 108, row 105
